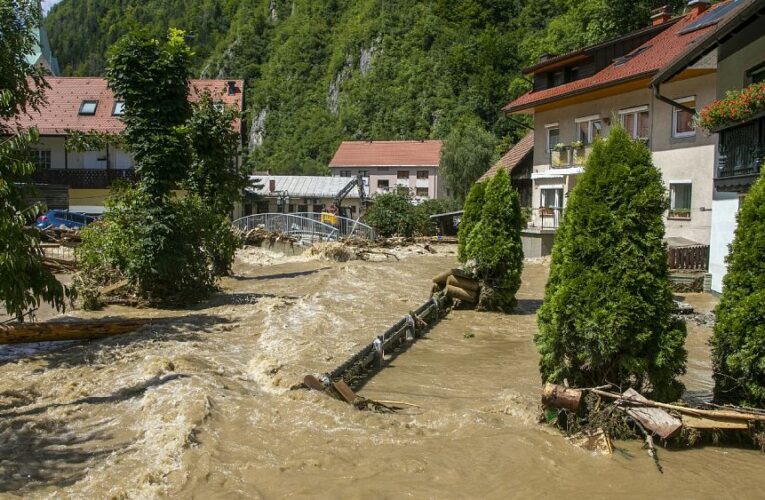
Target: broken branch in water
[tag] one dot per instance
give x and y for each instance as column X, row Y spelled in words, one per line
column 651, row 448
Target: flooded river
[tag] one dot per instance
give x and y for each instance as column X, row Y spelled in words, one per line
column 199, row 406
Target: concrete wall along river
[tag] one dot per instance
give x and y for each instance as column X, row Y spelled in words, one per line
column 201, row 407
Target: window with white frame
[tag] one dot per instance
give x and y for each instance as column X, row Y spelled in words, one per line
column 553, row 135
column 680, row 199
column 636, row 121
column 682, row 120
column 41, row 158
column 588, row 128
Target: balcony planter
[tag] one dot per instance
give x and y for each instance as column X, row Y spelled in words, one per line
column 739, row 106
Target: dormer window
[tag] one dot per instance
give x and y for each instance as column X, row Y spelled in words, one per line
column 119, row 108
column 88, row 108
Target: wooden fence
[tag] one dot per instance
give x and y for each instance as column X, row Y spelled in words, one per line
column 694, row 258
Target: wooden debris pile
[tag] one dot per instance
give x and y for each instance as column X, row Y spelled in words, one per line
column 584, row 413
column 61, row 236
column 458, row 285
column 258, row 236
column 59, row 266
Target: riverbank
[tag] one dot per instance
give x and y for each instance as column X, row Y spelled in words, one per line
column 200, row 406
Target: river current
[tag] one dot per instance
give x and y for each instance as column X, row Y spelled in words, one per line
column 199, row 405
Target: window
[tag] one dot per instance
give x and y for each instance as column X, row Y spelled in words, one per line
column 88, row 107
column 680, row 200
column 119, row 108
column 422, row 192
column 553, row 135
column 402, row 174
column 363, row 173
column 318, row 208
column 588, row 129
column 346, row 173
column 383, row 184
column 422, row 174
column 636, row 121
column 682, row 120
column 756, row 74
column 41, row 158
column 302, row 208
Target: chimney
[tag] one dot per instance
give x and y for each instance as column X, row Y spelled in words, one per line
column 660, row 15
column 698, row 6
column 272, row 185
column 231, row 87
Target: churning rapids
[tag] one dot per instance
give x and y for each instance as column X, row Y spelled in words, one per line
column 200, row 406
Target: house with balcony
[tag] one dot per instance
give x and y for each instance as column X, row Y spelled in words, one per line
column 736, row 47
column 579, row 96
column 86, row 105
column 393, row 166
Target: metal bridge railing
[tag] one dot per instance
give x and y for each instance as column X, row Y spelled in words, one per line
column 308, row 226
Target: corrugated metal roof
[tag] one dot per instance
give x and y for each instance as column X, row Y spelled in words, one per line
column 303, row 186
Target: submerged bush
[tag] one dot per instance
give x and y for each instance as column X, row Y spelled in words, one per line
column 607, row 313
column 171, row 256
column 493, row 249
column 738, row 343
column 470, row 217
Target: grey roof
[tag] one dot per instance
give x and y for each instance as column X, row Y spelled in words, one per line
column 303, row 186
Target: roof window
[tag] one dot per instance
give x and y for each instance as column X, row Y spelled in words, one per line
column 624, row 59
column 119, row 108
column 88, row 107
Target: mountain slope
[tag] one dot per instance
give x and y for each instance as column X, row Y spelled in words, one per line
column 320, row 71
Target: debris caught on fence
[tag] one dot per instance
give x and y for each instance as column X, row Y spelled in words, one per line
column 340, row 382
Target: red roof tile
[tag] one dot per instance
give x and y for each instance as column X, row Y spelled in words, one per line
column 61, row 113
column 387, row 154
column 648, row 59
column 513, row 157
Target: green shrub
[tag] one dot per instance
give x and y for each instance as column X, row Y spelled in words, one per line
column 471, row 216
column 607, row 313
column 738, row 343
column 494, row 250
column 392, row 214
column 169, row 257
column 432, row 207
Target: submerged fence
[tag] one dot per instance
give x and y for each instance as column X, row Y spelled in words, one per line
column 690, row 258
column 307, row 226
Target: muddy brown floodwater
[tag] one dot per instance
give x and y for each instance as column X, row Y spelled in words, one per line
column 200, row 406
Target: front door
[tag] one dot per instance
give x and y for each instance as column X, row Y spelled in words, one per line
column 552, row 206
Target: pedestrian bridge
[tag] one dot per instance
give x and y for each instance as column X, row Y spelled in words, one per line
column 309, row 227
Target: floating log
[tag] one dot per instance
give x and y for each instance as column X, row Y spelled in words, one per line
column 558, row 396
column 441, row 278
column 19, row 333
column 469, row 284
column 460, row 294
column 656, row 420
column 696, row 412
column 716, row 423
column 113, row 287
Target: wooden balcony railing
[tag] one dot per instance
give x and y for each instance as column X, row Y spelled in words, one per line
column 83, row 178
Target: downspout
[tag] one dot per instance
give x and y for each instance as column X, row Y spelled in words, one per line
column 665, row 99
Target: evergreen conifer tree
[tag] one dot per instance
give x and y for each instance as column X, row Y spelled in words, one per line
column 494, row 250
column 607, row 314
column 738, row 343
column 470, row 217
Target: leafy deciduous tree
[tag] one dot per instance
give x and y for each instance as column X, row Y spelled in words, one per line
column 467, row 154
column 24, row 282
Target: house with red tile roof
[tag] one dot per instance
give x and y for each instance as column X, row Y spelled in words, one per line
column 389, row 166
column 579, row 96
column 87, row 105
column 517, row 162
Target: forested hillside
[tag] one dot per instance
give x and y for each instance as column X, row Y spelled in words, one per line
column 320, row 71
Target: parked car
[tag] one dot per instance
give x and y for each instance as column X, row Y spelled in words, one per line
column 65, row 218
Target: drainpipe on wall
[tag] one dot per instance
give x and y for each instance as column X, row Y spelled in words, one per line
column 662, row 98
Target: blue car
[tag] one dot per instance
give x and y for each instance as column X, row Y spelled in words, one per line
column 65, row 218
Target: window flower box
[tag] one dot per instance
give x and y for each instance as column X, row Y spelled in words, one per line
column 737, row 106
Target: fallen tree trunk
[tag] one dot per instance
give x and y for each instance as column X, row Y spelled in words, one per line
column 76, row 330
column 558, row 396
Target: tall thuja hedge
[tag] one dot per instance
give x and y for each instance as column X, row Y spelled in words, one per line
column 494, row 250
column 470, row 217
column 607, row 313
column 738, row 343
